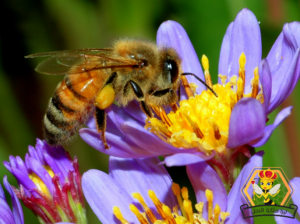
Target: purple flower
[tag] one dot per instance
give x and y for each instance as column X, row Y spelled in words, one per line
column 206, row 126
column 49, row 184
column 6, row 215
column 112, row 196
column 295, row 182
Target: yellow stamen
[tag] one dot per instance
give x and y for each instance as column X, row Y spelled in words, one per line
column 255, row 83
column 187, row 205
column 224, row 215
column 199, row 208
column 168, row 213
column 186, row 85
column 157, row 204
column 148, row 211
column 176, row 191
column 162, row 114
column 240, row 88
column 137, row 213
column 205, row 64
column 217, row 211
column 118, row 214
column 209, row 196
column 193, row 87
column 223, row 79
column 242, row 62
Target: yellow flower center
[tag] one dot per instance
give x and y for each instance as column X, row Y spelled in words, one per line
column 202, row 121
column 187, row 215
column 41, row 186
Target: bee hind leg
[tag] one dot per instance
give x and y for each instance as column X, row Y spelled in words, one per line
column 140, row 95
column 100, row 117
column 103, row 100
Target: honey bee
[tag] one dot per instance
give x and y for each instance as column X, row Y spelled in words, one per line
column 95, row 78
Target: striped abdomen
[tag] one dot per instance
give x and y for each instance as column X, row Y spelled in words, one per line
column 71, row 105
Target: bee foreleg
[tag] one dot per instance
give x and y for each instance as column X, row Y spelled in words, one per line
column 140, row 95
column 100, row 117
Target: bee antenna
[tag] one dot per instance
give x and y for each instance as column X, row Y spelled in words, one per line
column 204, row 83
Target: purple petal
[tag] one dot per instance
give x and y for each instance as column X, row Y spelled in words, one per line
column 172, row 34
column 183, row 159
column 245, row 37
column 284, row 220
column 2, row 194
column 203, row 177
column 36, row 167
column 266, row 82
column 283, row 89
column 235, row 197
column 134, row 109
column 225, row 51
column 247, row 122
column 281, row 116
column 142, row 175
column 17, row 207
column 60, row 157
column 22, row 178
column 240, row 220
column 6, row 216
column 146, row 140
column 119, row 146
column 102, row 193
column 295, row 182
column 283, row 60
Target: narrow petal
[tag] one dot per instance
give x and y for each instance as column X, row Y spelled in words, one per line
column 183, row 159
column 134, row 109
column 35, row 166
column 172, row 34
column 235, row 197
column 225, row 51
column 266, row 82
column 102, row 193
column 247, row 122
column 2, row 194
column 203, row 177
column 142, row 175
column 119, row 146
column 245, row 37
column 282, row 90
column 146, row 140
column 17, row 207
column 281, row 116
column 6, row 216
column 296, row 195
column 283, row 59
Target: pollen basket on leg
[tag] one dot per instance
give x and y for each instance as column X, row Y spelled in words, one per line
column 202, row 121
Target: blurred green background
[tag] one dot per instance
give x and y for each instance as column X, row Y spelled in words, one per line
column 34, row 26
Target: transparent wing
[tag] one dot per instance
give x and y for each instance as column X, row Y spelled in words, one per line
column 257, row 189
column 79, row 61
column 274, row 189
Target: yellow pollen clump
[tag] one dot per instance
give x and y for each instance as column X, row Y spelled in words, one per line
column 169, row 217
column 202, row 121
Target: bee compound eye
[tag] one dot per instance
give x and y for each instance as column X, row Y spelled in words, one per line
column 171, row 68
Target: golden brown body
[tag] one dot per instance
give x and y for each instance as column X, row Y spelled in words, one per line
column 135, row 70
